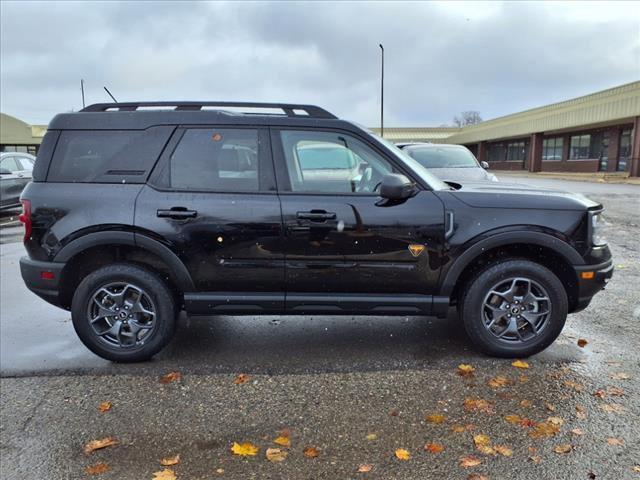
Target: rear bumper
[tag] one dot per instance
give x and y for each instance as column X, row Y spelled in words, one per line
column 588, row 287
column 45, row 288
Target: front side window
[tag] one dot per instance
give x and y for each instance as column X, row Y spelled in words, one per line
column 552, row 149
column 443, row 157
column 327, row 162
column 580, row 147
column 9, row 163
column 218, row 159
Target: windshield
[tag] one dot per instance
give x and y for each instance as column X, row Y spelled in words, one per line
column 443, row 157
column 429, row 178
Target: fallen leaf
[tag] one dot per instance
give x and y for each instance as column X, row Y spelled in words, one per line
column 371, row 436
column 503, row 450
column 497, row 382
column 563, row 448
column 526, row 403
column 523, row 379
column 105, row 407
column 513, row 419
column 97, row 468
column 481, row 439
column 244, row 449
column 433, row 448
column 615, row 392
column 242, row 378
column 611, row 407
column 615, row 441
column 520, row 364
column 435, row 418
column 166, row 474
column 364, row 468
column 171, row 377
column 402, row 454
column 477, row 405
column 465, row 370
column 544, row 429
column 284, row 441
column 99, row 444
column 581, row 412
column 276, row 454
column 469, row 461
column 578, row 387
column 219, row 471
column 555, row 420
column 486, row 449
column 311, row 452
column 582, row 342
column 477, row 476
column 169, row 461
column 621, row 376
column 535, row 459
column 550, row 407
column 458, row 429
column 285, row 432
column 577, row 431
column 636, row 468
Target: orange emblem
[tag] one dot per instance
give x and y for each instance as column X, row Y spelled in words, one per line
column 416, row 249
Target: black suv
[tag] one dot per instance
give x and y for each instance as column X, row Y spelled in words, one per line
column 140, row 210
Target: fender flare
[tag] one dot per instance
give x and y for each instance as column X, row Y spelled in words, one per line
column 178, row 269
column 501, row 239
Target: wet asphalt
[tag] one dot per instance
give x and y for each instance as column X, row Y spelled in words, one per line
column 332, row 382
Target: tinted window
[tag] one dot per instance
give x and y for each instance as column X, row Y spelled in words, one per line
column 9, row 163
column 331, row 162
column 219, row 159
column 443, row 157
column 26, row 163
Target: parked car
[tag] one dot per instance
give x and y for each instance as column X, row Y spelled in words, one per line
column 15, row 173
column 136, row 214
column 453, row 163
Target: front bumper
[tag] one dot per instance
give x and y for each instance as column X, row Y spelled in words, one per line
column 42, row 278
column 588, row 287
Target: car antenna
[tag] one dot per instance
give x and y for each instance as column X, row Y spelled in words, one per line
column 107, row 90
column 82, row 90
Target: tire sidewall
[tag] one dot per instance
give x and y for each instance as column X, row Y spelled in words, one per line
column 154, row 287
column 478, row 289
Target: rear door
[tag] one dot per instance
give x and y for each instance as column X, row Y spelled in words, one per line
column 212, row 199
column 341, row 237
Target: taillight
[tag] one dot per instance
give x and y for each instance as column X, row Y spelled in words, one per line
column 25, row 217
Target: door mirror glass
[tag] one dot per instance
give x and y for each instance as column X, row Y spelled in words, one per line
column 395, row 186
column 484, row 165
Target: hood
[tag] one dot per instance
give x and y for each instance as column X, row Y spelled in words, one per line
column 521, row 196
column 461, row 175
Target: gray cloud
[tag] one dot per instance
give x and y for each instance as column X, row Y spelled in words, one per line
column 440, row 58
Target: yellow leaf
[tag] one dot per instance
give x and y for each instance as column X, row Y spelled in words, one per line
column 486, row 449
column 169, row 461
column 435, row 418
column 311, row 452
column 364, row 468
column 276, row 454
column 611, row 407
column 503, row 450
column 371, row 436
column 244, row 449
column 621, row 376
column 97, row 468
column 242, row 378
column 284, row 441
column 481, row 439
column 535, row 459
column 104, row 407
column 171, row 377
column 99, row 444
column 465, row 370
column 526, row 403
column 555, row 420
column 469, row 461
column 497, row 382
column 477, row 405
column 166, row 474
column 520, row 364
column 433, row 447
column 513, row 419
column 402, row 454
column 582, row 342
column 563, row 448
column 615, row 441
column 458, row 429
column 636, row 468
column 544, row 429
column 577, row 431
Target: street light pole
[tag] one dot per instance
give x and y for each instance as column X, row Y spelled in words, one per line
column 382, row 94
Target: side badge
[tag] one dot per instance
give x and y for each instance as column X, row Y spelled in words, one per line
column 416, row 249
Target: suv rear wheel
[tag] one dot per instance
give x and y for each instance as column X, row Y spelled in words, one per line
column 514, row 308
column 123, row 313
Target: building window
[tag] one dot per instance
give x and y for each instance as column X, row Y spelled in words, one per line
column 495, row 152
column 32, row 149
column 516, row 151
column 552, row 149
column 625, row 150
column 580, row 147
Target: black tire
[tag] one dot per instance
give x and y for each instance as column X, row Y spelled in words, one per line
column 157, row 298
column 523, row 340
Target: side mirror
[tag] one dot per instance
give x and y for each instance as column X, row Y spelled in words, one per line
column 4, row 171
column 395, row 186
column 484, row 165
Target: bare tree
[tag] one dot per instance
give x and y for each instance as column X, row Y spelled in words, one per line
column 470, row 117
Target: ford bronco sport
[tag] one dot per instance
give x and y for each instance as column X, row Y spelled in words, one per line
column 140, row 210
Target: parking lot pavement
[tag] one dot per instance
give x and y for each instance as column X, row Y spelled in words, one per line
column 357, row 389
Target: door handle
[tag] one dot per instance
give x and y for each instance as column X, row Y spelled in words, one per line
column 316, row 215
column 177, row 213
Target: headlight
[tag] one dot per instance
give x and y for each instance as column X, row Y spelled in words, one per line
column 597, row 225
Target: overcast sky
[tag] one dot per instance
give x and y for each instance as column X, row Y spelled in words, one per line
column 441, row 58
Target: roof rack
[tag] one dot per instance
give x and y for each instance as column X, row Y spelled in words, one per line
column 289, row 109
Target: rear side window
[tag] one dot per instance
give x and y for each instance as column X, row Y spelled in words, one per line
column 221, row 160
column 107, row 156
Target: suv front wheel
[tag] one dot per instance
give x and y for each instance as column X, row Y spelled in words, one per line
column 123, row 313
column 514, row 308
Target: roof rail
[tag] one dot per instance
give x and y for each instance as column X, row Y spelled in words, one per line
column 289, row 109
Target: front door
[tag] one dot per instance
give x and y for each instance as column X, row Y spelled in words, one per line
column 341, row 237
column 212, row 199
